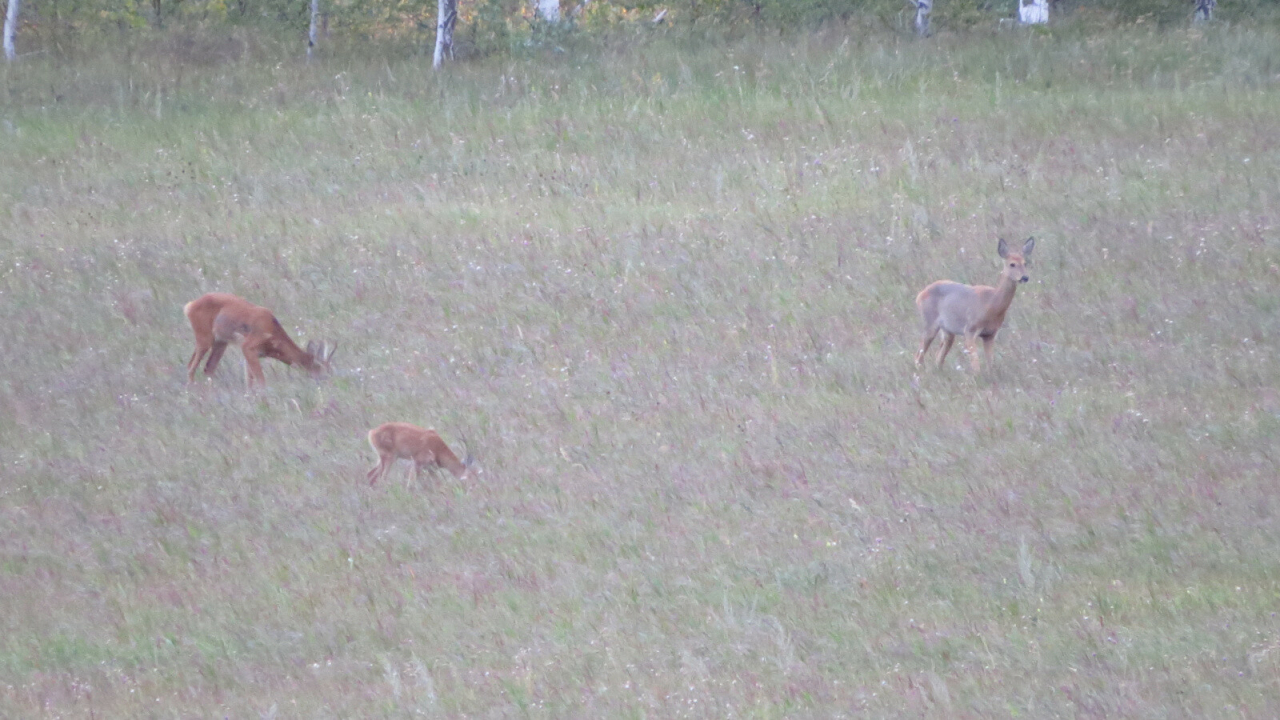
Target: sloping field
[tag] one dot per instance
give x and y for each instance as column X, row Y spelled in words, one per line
column 666, row 292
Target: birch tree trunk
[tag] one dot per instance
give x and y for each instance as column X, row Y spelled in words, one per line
column 1033, row 12
column 311, row 34
column 923, row 8
column 10, row 29
column 446, row 19
column 548, row 10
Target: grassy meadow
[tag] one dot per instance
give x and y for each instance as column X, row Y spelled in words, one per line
column 665, row 290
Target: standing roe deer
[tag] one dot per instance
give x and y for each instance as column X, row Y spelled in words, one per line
column 395, row 440
column 219, row 318
column 973, row 311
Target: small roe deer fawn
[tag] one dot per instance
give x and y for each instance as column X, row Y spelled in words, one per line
column 395, row 440
column 969, row 310
column 219, row 319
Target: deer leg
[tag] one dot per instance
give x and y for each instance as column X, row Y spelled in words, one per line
column 215, row 357
column 929, row 335
column 204, row 341
column 988, row 348
column 947, row 340
column 253, row 367
column 196, row 357
column 971, row 344
column 384, row 462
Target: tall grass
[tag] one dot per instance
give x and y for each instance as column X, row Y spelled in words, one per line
column 666, row 292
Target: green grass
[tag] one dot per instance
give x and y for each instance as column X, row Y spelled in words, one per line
column 666, row 293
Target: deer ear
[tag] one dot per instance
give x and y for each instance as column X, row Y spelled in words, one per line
column 329, row 351
column 1002, row 249
column 311, row 347
column 1028, row 246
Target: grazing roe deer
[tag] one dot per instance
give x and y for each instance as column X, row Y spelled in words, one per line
column 395, row 440
column 972, row 311
column 220, row 318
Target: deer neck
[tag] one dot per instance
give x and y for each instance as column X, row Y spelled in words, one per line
column 451, row 463
column 306, row 360
column 289, row 351
column 294, row 355
column 1003, row 296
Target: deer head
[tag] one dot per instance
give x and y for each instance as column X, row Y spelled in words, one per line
column 1016, row 263
column 318, row 357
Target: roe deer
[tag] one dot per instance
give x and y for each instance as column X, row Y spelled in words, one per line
column 219, row 318
column 972, row 311
column 395, row 440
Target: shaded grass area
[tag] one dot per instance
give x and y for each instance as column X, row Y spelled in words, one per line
column 667, row 294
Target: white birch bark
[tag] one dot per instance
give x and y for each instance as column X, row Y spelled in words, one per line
column 446, row 19
column 311, row 34
column 923, row 8
column 10, row 29
column 548, row 10
column 1033, row 12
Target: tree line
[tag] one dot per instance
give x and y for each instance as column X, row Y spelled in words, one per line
column 484, row 26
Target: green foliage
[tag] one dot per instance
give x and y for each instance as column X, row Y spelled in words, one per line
column 1140, row 11
column 487, row 27
column 782, row 13
column 963, row 14
column 1167, row 12
column 492, row 25
column 125, row 15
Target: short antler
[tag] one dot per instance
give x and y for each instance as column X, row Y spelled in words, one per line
column 321, row 353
